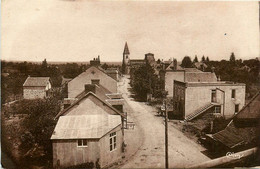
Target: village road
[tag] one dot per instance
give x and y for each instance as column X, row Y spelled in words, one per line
column 183, row 152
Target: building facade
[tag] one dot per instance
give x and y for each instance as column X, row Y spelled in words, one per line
column 194, row 98
column 36, row 87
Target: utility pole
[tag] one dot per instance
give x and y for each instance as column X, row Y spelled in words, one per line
column 166, row 135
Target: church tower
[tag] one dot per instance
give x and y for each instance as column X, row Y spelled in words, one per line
column 126, row 59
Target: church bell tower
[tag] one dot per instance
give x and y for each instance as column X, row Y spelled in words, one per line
column 126, row 59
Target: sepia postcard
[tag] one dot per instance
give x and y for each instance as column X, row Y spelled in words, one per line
column 130, row 84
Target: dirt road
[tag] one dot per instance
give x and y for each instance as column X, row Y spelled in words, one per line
column 183, row 152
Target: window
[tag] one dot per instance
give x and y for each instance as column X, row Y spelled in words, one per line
column 233, row 94
column 236, row 108
column 217, row 109
column 112, row 141
column 213, row 96
column 82, row 143
column 95, row 81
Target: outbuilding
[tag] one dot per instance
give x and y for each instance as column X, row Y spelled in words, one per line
column 36, row 87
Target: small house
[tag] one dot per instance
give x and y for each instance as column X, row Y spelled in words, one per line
column 82, row 139
column 36, row 87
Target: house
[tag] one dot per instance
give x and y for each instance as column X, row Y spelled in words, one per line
column 93, row 75
column 114, row 99
column 176, row 72
column 90, row 129
column 81, row 139
column 36, row 87
column 243, row 130
column 191, row 99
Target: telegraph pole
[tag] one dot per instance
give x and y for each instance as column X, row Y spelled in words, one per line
column 166, row 135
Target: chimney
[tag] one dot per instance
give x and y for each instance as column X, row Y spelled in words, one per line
column 174, row 64
column 90, row 88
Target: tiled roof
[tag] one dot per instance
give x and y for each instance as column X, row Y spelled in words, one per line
column 233, row 136
column 36, row 81
column 85, row 126
column 200, row 77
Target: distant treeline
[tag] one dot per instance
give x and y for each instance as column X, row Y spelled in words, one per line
column 15, row 73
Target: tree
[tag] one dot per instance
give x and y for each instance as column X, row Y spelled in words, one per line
column 195, row 59
column 207, row 59
column 186, row 62
column 39, row 125
column 203, row 59
column 232, row 57
column 104, row 66
column 44, row 64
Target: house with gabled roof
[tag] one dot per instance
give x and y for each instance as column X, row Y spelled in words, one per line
column 90, row 130
column 36, row 87
column 85, row 139
column 90, row 104
column 93, row 75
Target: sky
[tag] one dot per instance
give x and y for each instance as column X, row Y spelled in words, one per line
column 79, row 30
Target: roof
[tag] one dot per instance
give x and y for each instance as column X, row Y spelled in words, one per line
column 200, row 64
column 85, row 96
column 233, row 136
column 171, row 66
column 111, row 71
column 192, row 70
column 126, row 50
column 85, row 126
column 65, row 80
column 251, row 110
column 218, row 83
column 36, row 81
column 200, row 77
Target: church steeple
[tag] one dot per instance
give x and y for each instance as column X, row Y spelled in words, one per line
column 125, row 64
column 126, row 50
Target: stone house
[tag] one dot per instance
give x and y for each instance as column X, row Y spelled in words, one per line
column 36, row 87
column 93, row 75
column 191, row 99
